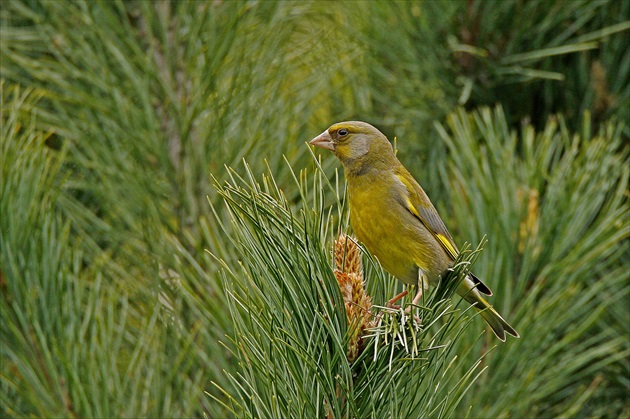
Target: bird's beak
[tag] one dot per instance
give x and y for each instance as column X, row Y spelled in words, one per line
column 323, row 140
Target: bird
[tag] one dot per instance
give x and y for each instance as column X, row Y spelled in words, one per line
column 395, row 220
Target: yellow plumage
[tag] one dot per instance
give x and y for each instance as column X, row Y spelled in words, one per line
column 394, row 218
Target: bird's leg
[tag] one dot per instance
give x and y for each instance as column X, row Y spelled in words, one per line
column 421, row 286
column 415, row 301
column 418, row 296
column 391, row 302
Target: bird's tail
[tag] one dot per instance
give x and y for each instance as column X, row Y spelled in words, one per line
column 498, row 324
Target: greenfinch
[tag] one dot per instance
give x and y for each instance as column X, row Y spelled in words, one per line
column 394, row 218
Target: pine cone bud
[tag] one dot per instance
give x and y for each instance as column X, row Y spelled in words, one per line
column 349, row 274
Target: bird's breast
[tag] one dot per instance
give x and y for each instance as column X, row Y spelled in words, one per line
column 390, row 232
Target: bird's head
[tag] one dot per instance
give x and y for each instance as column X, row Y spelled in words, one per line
column 355, row 144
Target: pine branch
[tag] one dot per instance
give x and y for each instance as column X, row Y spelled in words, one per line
column 307, row 343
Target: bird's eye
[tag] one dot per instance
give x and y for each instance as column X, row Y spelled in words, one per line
column 342, row 132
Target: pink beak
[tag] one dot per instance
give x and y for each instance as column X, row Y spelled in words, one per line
column 323, row 140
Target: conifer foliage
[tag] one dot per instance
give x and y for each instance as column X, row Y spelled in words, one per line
column 170, row 247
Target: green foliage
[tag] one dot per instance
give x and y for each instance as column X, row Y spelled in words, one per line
column 73, row 344
column 554, row 205
column 290, row 335
column 116, row 114
column 538, row 58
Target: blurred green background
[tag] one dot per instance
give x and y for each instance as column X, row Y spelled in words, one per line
column 118, row 117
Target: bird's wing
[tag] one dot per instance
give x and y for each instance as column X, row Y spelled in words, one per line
column 420, row 206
